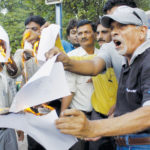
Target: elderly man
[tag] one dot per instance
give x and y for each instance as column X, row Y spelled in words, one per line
column 105, row 91
column 132, row 110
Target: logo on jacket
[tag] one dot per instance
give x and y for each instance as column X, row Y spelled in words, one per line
column 131, row 91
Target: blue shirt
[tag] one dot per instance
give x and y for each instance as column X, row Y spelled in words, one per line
column 67, row 46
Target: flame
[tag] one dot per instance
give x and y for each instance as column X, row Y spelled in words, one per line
column 26, row 35
column 23, row 66
column 34, row 52
column 29, row 110
column 35, row 48
column 47, row 106
column 2, row 51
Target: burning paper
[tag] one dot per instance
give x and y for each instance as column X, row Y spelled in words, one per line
column 4, row 55
column 41, row 128
column 47, row 84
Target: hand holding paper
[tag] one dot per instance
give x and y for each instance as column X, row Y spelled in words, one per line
column 47, row 40
column 41, row 128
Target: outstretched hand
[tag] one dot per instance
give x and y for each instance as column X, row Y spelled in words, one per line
column 60, row 58
column 74, row 122
column 52, row 52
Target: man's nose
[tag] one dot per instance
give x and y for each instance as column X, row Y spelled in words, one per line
column 101, row 35
column 76, row 35
column 83, row 35
column 114, row 32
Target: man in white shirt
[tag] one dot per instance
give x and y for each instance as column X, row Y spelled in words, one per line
column 81, row 87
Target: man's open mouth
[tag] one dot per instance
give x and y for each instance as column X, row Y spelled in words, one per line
column 117, row 43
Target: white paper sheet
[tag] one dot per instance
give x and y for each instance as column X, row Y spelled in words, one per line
column 41, row 128
column 5, row 38
column 47, row 40
column 47, row 84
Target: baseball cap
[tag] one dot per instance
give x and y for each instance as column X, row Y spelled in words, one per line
column 126, row 15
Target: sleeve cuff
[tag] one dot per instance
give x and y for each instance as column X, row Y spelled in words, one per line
column 147, row 103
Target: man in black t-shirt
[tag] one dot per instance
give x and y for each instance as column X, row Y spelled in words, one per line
column 129, row 33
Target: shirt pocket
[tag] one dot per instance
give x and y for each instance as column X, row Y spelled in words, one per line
column 133, row 97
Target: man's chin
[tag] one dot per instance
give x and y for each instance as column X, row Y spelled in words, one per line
column 101, row 43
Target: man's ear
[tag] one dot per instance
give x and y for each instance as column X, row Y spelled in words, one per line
column 143, row 32
column 68, row 37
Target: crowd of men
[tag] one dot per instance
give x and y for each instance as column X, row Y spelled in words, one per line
column 109, row 105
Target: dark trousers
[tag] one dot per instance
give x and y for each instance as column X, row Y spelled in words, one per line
column 57, row 105
column 33, row 145
column 105, row 143
column 81, row 144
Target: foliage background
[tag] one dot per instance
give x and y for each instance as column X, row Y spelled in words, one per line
column 19, row 10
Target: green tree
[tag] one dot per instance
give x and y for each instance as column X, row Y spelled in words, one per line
column 18, row 11
column 144, row 4
column 90, row 9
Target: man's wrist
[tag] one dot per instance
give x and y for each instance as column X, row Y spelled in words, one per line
column 69, row 64
column 93, row 130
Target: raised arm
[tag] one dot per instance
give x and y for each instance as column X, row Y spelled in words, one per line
column 83, row 67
